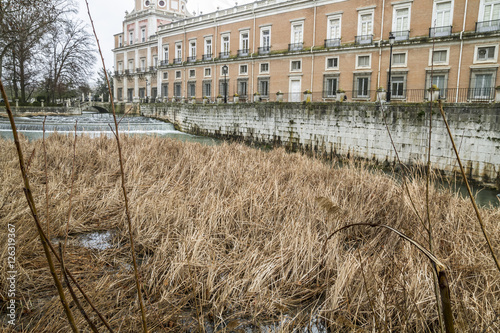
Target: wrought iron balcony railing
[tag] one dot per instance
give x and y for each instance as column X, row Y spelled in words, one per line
column 295, row 47
column 440, row 31
column 207, row 57
column 364, row 40
column 332, row 42
column 264, row 49
column 191, row 59
column 488, row 26
column 401, row 35
column 243, row 53
column 224, row 55
column 177, row 61
column 164, row 63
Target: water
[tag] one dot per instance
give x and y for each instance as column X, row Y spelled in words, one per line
column 95, row 124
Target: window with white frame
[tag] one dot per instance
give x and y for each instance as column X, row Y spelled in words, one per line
column 225, row 44
column 398, row 85
column 143, row 35
column 363, row 61
column 192, row 73
column 178, row 51
column 263, row 85
column 155, row 61
column 207, row 88
column 192, row 49
column 143, row 64
column 191, row 89
column 243, row 87
column 120, row 67
column 131, row 64
column 439, row 57
column 482, row 83
column 297, row 32
column 131, row 37
column 401, row 21
column 330, row 86
column 208, row 48
column 178, row 74
column 165, row 54
column 244, row 41
column 265, row 38
column 165, row 75
column 208, row 72
column 486, row 53
column 439, row 78
column 243, row 69
column 264, row 68
column 365, row 23
column 399, row 59
column 120, row 41
column 361, row 85
column 177, row 90
column 332, row 63
column 295, row 65
column 334, row 27
column 489, row 10
column 442, row 13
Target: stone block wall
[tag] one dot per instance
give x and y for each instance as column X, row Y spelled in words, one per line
column 356, row 129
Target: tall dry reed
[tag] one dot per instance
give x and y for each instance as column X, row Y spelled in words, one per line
column 232, row 237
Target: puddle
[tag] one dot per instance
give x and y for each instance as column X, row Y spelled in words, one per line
column 96, row 240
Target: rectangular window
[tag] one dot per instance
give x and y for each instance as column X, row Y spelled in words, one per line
column 143, row 35
column 440, row 57
column 264, row 87
column 120, row 67
column 361, row 86
column 191, row 89
column 165, row 76
column 143, row 64
column 334, row 27
column 120, row 94
column 208, row 72
column 142, row 92
column 165, row 54
column 264, row 68
column 242, row 88
column 131, row 65
column 482, row 85
column 120, row 41
column 178, row 74
column 178, row 51
column 177, row 90
column 399, row 59
column 164, row 89
column 207, row 88
column 365, row 26
column 155, row 61
column 223, row 87
column 192, row 73
column 208, row 48
column 244, row 41
column 485, row 53
column 131, row 37
column 401, row 21
column 332, row 63
column 296, row 65
column 243, row 69
column 225, row 44
column 440, row 79
column 330, row 85
column 398, row 86
column 297, row 33
column 491, row 10
column 265, row 38
column 192, row 49
column 442, row 13
column 363, row 61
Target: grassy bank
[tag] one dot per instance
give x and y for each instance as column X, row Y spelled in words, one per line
column 231, row 237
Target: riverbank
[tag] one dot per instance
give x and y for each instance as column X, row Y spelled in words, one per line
column 232, row 237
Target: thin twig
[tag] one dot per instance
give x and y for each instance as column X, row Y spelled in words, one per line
column 124, row 189
column 47, row 222
column 32, row 206
column 71, row 192
column 473, row 201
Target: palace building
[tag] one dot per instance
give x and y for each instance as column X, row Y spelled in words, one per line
column 322, row 46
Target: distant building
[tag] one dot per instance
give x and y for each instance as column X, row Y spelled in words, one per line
column 316, row 45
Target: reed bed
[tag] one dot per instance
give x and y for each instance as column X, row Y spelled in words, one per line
column 230, row 239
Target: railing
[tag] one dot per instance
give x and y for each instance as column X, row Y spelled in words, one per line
column 363, row 40
column 295, row 47
column 264, row 49
column 332, row 42
column 191, row 59
column 488, row 26
column 164, row 63
column 243, row 53
column 440, row 31
column 127, row 72
column 207, row 57
column 140, row 70
column 177, row 61
column 224, row 55
column 401, row 35
column 152, row 68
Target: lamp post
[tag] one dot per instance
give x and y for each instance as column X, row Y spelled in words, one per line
column 391, row 42
column 224, row 71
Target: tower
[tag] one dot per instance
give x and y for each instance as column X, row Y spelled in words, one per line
column 172, row 6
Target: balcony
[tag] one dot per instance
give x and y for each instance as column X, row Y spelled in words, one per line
column 364, row 40
column 264, row 50
column 191, row 59
column 440, row 31
column 224, row 55
column 295, row 47
column 140, row 70
column 152, row 69
column 243, row 53
column 207, row 57
column 127, row 72
column 332, row 42
column 177, row 61
column 401, row 35
column 488, row 26
column 164, row 63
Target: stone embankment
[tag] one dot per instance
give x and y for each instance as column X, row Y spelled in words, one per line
column 355, row 129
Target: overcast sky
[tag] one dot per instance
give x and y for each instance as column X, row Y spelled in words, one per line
column 108, row 17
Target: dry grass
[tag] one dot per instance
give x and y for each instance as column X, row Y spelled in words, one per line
column 231, row 237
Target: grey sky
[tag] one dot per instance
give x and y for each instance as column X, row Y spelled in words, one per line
column 108, row 17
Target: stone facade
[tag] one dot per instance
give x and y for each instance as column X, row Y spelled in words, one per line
column 321, row 46
column 355, row 129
